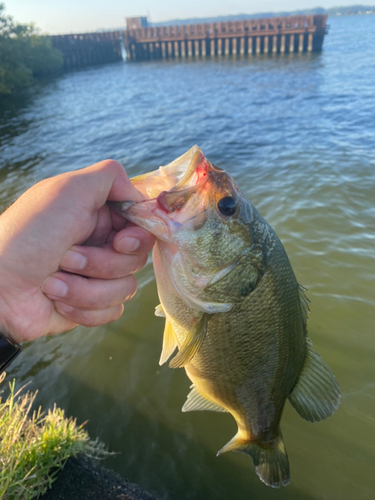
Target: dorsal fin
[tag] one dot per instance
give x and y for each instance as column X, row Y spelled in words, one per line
column 169, row 342
column 316, row 394
column 197, row 402
column 192, row 343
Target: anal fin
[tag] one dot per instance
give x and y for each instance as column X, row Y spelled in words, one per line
column 316, row 394
column 197, row 402
column 269, row 458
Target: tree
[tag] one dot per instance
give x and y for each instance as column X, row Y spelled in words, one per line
column 24, row 54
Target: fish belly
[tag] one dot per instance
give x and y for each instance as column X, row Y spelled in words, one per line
column 251, row 356
column 251, row 359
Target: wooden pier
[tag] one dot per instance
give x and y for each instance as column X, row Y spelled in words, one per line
column 87, row 49
column 275, row 35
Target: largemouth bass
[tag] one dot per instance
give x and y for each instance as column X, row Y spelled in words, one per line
column 232, row 307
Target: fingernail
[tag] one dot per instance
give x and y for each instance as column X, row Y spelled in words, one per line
column 73, row 260
column 60, row 306
column 128, row 244
column 54, row 286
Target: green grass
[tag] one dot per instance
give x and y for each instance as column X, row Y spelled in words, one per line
column 34, row 446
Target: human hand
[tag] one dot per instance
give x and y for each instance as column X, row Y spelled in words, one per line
column 65, row 257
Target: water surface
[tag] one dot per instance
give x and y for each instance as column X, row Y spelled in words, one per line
column 297, row 133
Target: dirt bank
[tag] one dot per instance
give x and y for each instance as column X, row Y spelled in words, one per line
column 84, row 478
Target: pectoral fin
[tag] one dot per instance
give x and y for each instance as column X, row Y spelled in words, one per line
column 159, row 311
column 192, row 343
column 196, row 402
column 169, row 342
column 316, row 394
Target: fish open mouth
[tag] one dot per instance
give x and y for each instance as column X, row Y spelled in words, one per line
column 183, row 172
column 165, row 191
column 174, row 194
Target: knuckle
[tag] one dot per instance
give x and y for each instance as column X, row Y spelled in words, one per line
column 92, row 318
column 131, row 290
column 103, row 317
column 115, row 266
column 89, row 319
column 91, row 301
column 109, row 268
column 109, row 163
column 118, row 312
column 147, row 240
column 150, row 240
column 139, row 263
column 89, row 323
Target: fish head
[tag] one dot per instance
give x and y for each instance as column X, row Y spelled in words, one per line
column 192, row 204
column 203, row 222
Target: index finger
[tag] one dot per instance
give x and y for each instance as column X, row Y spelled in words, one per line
column 106, row 180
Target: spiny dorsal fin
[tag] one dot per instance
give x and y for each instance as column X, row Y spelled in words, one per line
column 304, row 303
column 316, row 394
column 169, row 342
column 159, row 311
column 192, row 343
column 197, row 402
column 269, row 458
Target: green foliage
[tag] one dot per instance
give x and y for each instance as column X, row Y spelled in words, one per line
column 34, row 446
column 24, row 54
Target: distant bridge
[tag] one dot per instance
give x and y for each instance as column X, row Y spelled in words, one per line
column 277, row 35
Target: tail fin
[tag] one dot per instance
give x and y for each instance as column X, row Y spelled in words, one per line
column 270, row 459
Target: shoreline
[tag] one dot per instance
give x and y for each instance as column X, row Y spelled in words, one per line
column 85, row 478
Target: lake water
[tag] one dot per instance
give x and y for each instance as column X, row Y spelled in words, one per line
column 297, row 133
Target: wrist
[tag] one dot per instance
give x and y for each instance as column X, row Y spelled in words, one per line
column 9, row 348
column 8, row 305
column 5, row 329
column 8, row 351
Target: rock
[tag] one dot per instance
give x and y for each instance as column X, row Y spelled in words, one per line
column 84, row 478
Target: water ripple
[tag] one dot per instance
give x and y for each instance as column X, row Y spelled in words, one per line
column 297, row 133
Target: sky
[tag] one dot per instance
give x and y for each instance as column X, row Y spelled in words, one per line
column 79, row 16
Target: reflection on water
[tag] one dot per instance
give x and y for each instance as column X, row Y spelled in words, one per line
column 297, row 133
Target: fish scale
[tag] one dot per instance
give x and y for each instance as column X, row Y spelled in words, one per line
column 233, row 308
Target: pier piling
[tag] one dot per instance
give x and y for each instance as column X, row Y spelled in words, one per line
column 276, row 35
column 87, row 49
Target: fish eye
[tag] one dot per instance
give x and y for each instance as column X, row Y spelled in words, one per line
column 227, row 206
